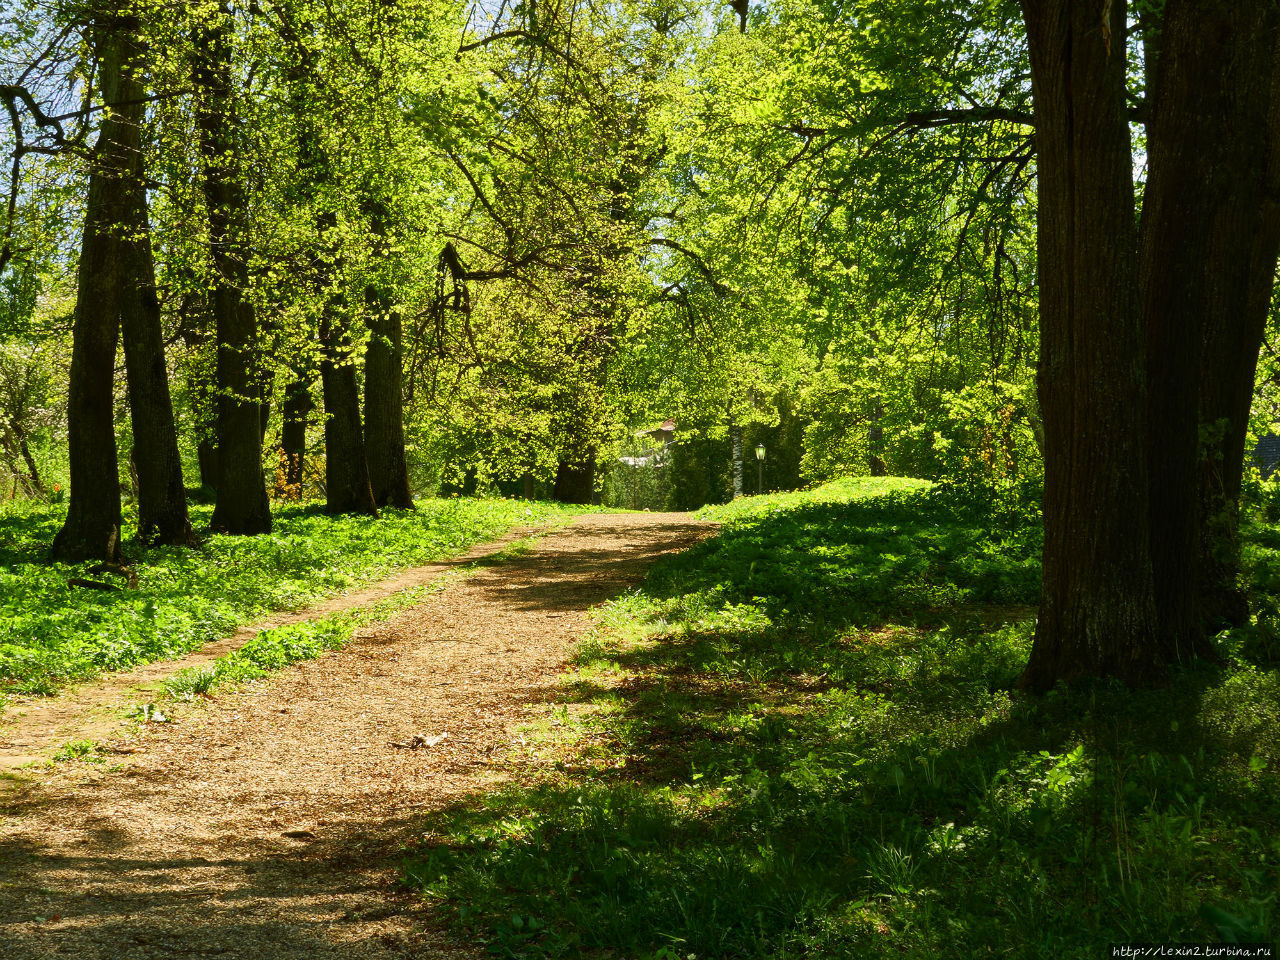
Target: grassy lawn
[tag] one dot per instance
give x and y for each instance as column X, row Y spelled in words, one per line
column 804, row 739
column 51, row 635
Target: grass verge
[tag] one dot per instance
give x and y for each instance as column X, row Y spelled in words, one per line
column 803, row 739
column 51, row 635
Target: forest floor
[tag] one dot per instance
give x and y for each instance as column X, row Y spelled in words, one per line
column 267, row 822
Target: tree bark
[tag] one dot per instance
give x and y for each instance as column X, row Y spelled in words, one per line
column 1242, row 241
column 242, row 506
column 346, row 470
column 162, row 495
column 576, row 480
column 383, row 394
column 875, row 441
column 92, row 527
column 735, row 448
column 1210, row 237
column 1097, row 612
column 293, row 437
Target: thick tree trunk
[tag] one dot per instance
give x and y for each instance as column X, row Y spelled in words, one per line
column 1210, row 234
column 383, row 396
column 576, row 480
column 92, row 527
column 242, row 506
column 346, row 470
column 162, row 503
column 1097, row 612
column 293, row 436
column 1242, row 243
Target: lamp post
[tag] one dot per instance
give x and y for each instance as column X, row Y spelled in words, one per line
column 759, row 468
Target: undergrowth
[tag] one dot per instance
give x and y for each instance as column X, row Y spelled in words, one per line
column 803, row 738
column 51, row 635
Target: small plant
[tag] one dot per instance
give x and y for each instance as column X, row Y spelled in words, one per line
column 86, row 750
column 149, row 713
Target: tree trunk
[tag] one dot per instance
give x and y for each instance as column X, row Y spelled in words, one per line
column 242, row 506
column 92, row 527
column 875, row 440
column 293, row 436
column 1241, row 248
column 383, row 396
column 162, row 496
column 1097, row 611
column 346, row 470
column 735, row 447
column 576, row 480
column 207, row 461
column 1210, row 235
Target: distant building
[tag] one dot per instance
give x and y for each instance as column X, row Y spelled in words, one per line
column 1266, row 455
column 651, row 446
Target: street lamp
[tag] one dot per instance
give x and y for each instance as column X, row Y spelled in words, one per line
column 759, row 468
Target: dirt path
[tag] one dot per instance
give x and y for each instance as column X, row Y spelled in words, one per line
column 267, row 826
column 32, row 728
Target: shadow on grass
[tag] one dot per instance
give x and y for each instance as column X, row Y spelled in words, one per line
column 805, row 743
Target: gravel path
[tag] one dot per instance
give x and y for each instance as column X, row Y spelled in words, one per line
column 267, row 824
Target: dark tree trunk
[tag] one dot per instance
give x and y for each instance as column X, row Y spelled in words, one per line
column 162, row 503
column 346, row 471
column 875, row 440
column 207, row 461
column 383, row 396
column 92, row 527
column 293, row 436
column 1242, row 243
column 576, row 481
column 1209, row 242
column 1097, row 612
column 242, row 506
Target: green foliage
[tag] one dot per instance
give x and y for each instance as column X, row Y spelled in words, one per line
column 51, row 635
column 803, row 738
column 278, row 647
column 85, row 750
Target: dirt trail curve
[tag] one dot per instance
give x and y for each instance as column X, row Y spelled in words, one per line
column 32, row 728
column 267, row 825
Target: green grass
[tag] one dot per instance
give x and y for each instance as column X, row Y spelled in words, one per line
column 804, row 739
column 51, row 635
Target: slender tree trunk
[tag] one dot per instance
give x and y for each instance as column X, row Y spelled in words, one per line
column 293, row 437
column 1097, row 612
column 735, row 445
column 92, row 527
column 346, row 467
column 242, row 506
column 875, row 439
column 383, row 394
column 162, row 503
column 346, row 471
column 16, row 436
